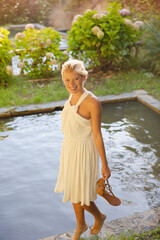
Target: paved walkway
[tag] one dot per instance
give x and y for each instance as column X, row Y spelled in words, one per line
column 138, row 222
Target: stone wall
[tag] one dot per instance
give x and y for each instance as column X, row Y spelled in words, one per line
column 63, row 12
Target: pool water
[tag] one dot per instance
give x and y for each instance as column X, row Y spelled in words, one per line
column 30, row 149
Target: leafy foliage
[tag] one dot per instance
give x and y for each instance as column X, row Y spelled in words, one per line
column 151, row 46
column 103, row 40
column 5, row 54
column 38, row 51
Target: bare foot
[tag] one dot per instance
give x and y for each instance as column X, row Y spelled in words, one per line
column 79, row 232
column 98, row 225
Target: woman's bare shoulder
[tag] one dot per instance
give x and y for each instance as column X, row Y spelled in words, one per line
column 92, row 98
column 93, row 101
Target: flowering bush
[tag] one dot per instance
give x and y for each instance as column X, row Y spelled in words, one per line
column 38, row 51
column 5, row 55
column 103, row 40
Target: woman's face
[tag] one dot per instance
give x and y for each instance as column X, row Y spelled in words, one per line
column 73, row 81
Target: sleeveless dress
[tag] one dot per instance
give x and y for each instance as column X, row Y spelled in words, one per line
column 78, row 170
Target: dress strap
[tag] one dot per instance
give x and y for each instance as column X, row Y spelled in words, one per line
column 83, row 96
column 70, row 97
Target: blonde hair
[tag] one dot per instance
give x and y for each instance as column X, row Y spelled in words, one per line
column 76, row 66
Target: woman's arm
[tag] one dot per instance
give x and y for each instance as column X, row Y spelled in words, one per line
column 95, row 108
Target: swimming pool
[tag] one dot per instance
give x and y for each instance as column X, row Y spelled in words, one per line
column 29, row 155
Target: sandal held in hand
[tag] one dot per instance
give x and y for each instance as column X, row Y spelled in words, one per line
column 104, row 190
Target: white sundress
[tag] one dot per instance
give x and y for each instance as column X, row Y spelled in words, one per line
column 78, row 170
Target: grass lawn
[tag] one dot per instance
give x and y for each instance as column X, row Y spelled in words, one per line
column 151, row 235
column 21, row 92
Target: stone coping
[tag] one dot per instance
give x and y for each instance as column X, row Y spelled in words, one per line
column 139, row 95
column 20, row 26
column 136, row 223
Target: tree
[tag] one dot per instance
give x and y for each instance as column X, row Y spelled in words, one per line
column 24, row 11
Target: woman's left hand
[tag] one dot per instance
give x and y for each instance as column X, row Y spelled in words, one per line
column 106, row 172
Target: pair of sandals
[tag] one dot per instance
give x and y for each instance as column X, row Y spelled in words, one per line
column 105, row 191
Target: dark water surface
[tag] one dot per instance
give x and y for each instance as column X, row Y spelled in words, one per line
column 29, row 161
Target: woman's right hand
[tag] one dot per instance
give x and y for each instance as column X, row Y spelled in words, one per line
column 106, row 172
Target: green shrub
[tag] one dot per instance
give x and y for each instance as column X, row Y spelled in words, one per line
column 38, row 51
column 151, row 46
column 103, row 40
column 5, row 56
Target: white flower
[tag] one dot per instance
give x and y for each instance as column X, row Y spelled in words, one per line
column 48, row 55
column 88, row 10
column 19, row 35
column 124, row 12
column 9, row 70
column 95, row 29
column 48, row 42
column 52, row 62
column 76, row 18
column 98, row 15
column 33, row 49
column 133, row 51
column 66, row 53
column 30, row 25
column 100, row 34
column 136, row 26
column 139, row 23
column 20, row 64
column 128, row 22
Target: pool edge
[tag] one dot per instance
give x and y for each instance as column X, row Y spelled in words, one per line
column 139, row 95
column 136, row 223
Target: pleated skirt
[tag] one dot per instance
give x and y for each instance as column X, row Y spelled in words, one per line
column 79, row 171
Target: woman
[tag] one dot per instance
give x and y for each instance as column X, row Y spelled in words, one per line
column 81, row 125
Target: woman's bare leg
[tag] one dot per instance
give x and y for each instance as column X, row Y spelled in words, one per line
column 81, row 224
column 99, row 217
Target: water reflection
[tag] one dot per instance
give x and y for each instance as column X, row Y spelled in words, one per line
column 141, row 123
column 132, row 140
column 4, row 128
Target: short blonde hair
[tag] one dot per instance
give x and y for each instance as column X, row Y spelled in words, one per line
column 76, row 66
